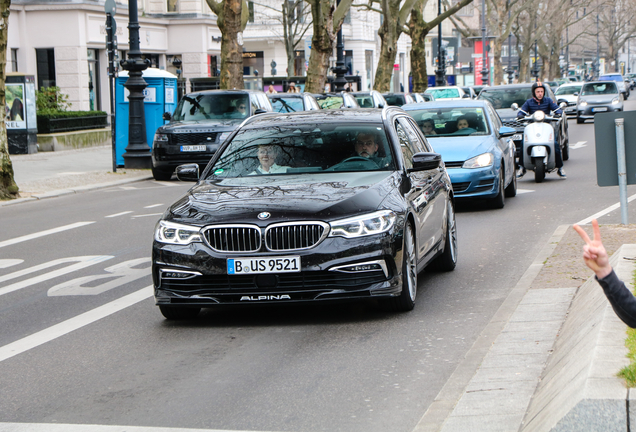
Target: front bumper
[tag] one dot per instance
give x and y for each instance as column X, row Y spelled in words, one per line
column 168, row 156
column 474, row 183
column 588, row 111
column 207, row 283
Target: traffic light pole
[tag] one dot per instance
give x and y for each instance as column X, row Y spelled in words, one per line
column 111, row 46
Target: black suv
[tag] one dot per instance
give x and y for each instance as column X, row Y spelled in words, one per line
column 199, row 125
column 503, row 96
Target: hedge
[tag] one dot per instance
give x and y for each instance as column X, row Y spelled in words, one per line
column 51, row 121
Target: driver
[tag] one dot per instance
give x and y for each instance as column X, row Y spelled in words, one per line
column 541, row 103
column 367, row 147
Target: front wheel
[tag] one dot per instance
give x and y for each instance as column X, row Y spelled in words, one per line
column 447, row 261
column 511, row 190
column 579, row 120
column 161, row 175
column 499, row 201
column 406, row 300
column 539, row 169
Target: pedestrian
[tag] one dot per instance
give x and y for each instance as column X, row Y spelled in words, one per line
column 292, row 88
column 595, row 256
column 271, row 90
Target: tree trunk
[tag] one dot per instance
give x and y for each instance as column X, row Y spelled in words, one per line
column 231, row 51
column 8, row 188
column 418, row 33
column 495, row 47
column 321, row 46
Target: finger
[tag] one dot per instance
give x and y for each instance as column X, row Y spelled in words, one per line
column 597, row 230
column 582, row 233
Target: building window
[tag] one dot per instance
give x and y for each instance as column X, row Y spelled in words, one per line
column 299, row 63
column 172, row 5
column 14, row 60
column 348, row 59
column 347, row 18
column 45, row 58
column 154, row 59
column 93, row 80
column 250, row 7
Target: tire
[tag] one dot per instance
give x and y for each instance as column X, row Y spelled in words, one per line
column 565, row 152
column 406, row 300
column 499, row 201
column 161, row 175
column 539, row 170
column 179, row 312
column 447, row 261
column 579, row 120
column 511, row 190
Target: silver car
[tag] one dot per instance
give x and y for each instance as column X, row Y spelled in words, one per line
column 568, row 93
column 596, row 97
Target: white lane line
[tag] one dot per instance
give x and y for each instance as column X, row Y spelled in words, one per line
column 604, row 211
column 43, row 233
column 154, row 205
column 578, row 145
column 522, row 191
column 58, row 427
column 119, row 214
column 73, row 324
column 146, row 215
column 4, row 263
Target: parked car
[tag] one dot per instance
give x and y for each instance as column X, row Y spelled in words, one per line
column 569, row 93
column 398, row 99
column 598, row 96
column 328, row 225
column 632, row 80
column 620, row 82
column 480, row 157
column 427, row 97
column 470, row 92
column 336, row 100
column 293, row 102
column 502, row 97
column 199, row 125
column 478, row 88
column 370, row 99
column 447, row 92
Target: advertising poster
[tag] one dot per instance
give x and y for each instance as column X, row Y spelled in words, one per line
column 14, row 108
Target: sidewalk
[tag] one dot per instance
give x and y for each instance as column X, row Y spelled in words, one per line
column 49, row 174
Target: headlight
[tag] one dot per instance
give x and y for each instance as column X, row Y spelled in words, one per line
column 538, row 116
column 359, row 226
column 615, row 101
column 174, row 233
column 583, row 103
column 223, row 136
column 483, row 160
column 159, row 137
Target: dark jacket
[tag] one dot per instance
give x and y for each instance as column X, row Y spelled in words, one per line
column 622, row 300
column 546, row 105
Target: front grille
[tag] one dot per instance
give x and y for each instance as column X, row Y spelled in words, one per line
column 514, row 124
column 194, row 138
column 454, row 164
column 286, row 237
column 235, row 238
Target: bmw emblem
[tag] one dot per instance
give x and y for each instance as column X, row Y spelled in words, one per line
column 264, row 215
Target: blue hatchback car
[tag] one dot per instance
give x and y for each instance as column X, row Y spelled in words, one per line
column 475, row 146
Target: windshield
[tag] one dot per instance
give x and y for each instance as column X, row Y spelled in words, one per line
column 617, row 78
column 287, row 104
column 330, row 102
column 364, row 101
column 204, row 106
column 504, row 98
column 568, row 90
column 459, row 121
column 444, row 93
column 598, row 89
column 310, row 148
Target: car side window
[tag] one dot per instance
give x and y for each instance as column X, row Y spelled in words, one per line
column 405, row 145
column 416, row 143
column 495, row 118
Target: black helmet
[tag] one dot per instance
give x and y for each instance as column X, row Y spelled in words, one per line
column 535, row 86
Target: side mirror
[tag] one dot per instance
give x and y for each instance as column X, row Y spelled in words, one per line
column 381, row 105
column 426, row 161
column 260, row 111
column 514, row 106
column 506, row 131
column 576, row 93
column 167, row 116
column 466, row 96
column 188, row 172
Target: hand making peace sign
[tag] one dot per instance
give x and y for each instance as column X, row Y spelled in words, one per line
column 594, row 253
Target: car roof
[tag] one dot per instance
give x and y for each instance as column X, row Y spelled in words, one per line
column 572, row 84
column 356, row 115
column 441, row 103
column 286, row 95
column 236, row 92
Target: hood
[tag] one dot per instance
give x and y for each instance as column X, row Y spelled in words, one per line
column 203, row 126
column 567, row 98
column 454, row 149
column 290, row 197
column 507, row 113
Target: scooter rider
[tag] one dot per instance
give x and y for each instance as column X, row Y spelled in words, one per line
column 541, row 103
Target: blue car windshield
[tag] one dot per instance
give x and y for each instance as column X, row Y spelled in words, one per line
column 212, row 106
column 617, row 78
column 458, row 121
column 304, row 149
column 287, row 104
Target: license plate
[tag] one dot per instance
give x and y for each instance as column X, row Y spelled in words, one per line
column 288, row 264
column 517, row 137
column 193, row 148
column 599, row 109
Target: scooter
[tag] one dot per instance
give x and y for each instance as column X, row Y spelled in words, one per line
column 538, row 143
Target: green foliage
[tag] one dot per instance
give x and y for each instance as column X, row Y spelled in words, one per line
column 51, row 98
column 628, row 373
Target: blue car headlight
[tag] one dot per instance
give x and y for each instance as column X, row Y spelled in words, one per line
column 363, row 225
column 178, row 234
column 481, row 161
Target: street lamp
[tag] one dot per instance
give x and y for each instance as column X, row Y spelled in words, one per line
column 598, row 53
column 137, row 155
column 340, row 69
column 440, row 73
column 484, row 57
column 510, row 71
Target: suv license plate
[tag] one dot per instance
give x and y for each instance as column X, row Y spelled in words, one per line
column 288, row 264
column 602, row 109
column 193, row 148
column 517, row 137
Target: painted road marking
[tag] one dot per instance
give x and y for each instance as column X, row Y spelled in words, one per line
column 43, row 233
column 578, row 145
column 4, row 263
column 154, row 205
column 604, row 211
column 119, row 214
column 72, row 324
column 58, row 427
column 522, row 191
column 146, row 215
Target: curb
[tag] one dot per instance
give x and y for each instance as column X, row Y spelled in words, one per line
column 78, row 189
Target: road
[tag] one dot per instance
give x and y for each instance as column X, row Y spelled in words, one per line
column 81, row 341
